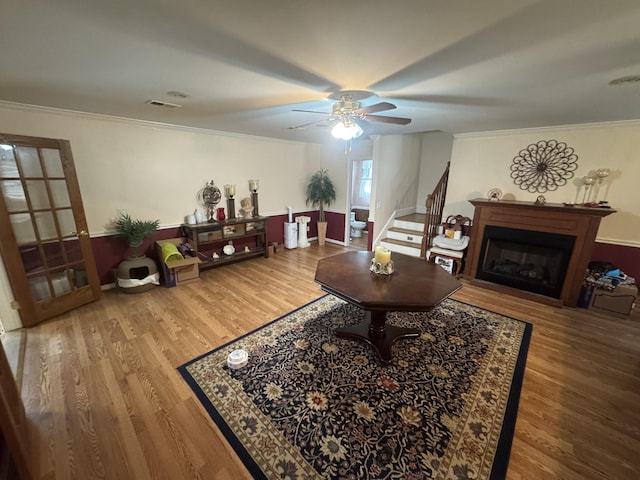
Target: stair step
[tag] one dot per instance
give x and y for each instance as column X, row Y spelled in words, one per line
column 408, row 224
column 414, row 217
column 399, row 246
column 408, row 231
column 405, row 234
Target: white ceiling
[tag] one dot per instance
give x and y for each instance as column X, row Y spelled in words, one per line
column 451, row 65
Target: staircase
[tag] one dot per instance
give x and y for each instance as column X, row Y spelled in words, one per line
column 406, row 234
column 412, row 234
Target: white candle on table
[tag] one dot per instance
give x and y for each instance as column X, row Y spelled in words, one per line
column 382, row 255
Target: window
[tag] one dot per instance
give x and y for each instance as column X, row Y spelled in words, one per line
column 361, row 186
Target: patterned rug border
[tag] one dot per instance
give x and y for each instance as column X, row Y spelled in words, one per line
column 503, row 449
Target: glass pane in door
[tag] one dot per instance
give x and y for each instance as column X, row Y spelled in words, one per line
column 76, row 262
column 29, row 160
column 23, row 228
column 32, row 259
column 67, row 222
column 14, row 196
column 46, row 226
column 38, row 196
column 54, row 254
column 52, row 163
column 73, row 251
column 8, row 166
column 59, row 194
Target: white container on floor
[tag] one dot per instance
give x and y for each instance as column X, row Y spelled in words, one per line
column 290, row 235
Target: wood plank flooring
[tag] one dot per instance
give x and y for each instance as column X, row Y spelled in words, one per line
column 104, row 399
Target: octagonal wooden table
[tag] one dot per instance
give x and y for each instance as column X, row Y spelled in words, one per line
column 415, row 286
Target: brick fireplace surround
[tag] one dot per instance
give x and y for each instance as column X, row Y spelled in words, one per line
column 581, row 222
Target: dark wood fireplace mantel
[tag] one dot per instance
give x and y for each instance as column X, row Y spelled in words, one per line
column 583, row 222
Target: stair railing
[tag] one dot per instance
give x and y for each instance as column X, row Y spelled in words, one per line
column 433, row 217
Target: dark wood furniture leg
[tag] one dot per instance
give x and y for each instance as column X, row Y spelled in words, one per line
column 377, row 333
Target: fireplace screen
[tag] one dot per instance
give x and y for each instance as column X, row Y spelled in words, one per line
column 528, row 260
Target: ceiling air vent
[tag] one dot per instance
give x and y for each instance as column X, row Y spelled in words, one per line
column 160, row 103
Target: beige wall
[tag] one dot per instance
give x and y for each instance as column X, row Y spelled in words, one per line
column 436, row 152
column 482, row 161
column 154, row 171
column 396, row 162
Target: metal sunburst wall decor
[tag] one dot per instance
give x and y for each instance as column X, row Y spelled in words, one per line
column 544, row 166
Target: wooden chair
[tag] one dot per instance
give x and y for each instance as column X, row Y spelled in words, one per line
column 449, row 247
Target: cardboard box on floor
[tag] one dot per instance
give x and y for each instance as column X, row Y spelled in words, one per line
column 178, row 272
column 618, row 303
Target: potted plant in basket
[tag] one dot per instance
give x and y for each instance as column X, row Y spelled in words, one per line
column 137, row 267
column 320, row 192
column 135, row 230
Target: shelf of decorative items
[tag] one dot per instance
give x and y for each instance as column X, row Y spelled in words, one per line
column 232, row 240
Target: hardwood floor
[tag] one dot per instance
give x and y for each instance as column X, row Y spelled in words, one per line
column 104, row 399
column 359, row 243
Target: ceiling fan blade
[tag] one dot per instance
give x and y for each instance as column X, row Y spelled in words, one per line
column 378, row 107
column 303, row 125
column 384, row 119
column 311, row 111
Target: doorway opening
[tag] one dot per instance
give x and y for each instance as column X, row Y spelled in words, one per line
column 359, row 203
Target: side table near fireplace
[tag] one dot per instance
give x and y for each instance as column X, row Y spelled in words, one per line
column 533, row 251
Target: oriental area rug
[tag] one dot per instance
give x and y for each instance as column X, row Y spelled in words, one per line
column 310, row 405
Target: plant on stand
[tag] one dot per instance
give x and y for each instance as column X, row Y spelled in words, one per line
column 137, row 273
column 320, row 192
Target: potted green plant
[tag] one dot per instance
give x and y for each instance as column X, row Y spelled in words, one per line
column 135, row 230
column 137, row 273
column 320, row 191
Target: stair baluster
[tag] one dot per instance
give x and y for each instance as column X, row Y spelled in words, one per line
column 433, row 217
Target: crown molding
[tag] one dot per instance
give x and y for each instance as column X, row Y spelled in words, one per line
column 133, row 121
column 557, row 128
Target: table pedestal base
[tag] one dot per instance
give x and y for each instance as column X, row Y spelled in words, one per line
column 376, row 333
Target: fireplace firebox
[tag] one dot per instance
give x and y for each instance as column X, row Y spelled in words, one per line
column 539, row 252
column 531, row 261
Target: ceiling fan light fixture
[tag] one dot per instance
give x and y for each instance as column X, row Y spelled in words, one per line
column 346, row 129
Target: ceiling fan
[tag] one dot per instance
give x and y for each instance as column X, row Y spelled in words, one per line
column 348, row 109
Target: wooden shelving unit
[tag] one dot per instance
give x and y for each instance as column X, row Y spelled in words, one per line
column 206, row 238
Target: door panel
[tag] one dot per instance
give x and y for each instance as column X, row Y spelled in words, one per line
column 43, row 230
column 12, row 419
